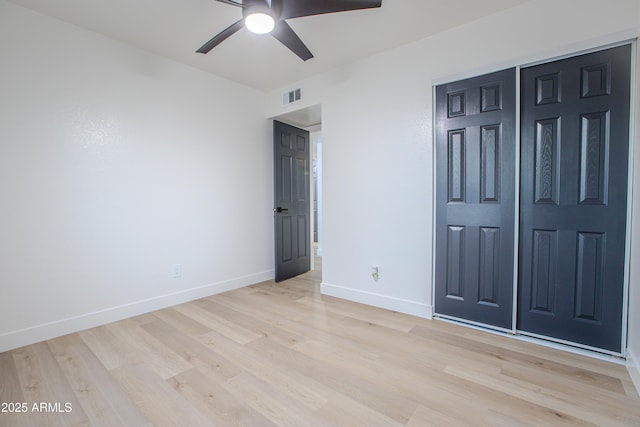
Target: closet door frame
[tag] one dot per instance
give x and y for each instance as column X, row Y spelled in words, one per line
column 634, row 135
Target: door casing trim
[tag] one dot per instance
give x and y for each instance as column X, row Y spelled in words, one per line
column 633, row 136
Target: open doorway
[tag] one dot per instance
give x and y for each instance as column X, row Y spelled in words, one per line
column 310, row 119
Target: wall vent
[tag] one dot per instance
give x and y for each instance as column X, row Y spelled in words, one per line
column 292, row 96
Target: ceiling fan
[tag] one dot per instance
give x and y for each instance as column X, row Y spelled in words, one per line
column 268, row 16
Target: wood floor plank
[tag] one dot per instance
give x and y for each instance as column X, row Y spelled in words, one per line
column 360, row 389
column 629, row 387
column 99, row 394
column 465, row 400
column 569, row 366
column 156, row 399
column 296, row 385
column 263, row 329
column 148, row 349
column 44, row 383
column 580, row 411
column 616, row 398
column 416, row 386
column 215, row 402
column 523, row 361
column 543, row 352
column 335, row 353
column 391, row 319
column 11, row 394
column 217, row 323
column 293, row 292
column 426, row 416
column 310, row 323
column 342, row 410
column 271, row 403
column 111, row 352
column 197, row 354
column 184, row 324
column 254, row 306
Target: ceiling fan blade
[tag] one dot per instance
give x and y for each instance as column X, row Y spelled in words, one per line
column 285, row 34
column 297, row 8
column 232, row 2
column 222, row 36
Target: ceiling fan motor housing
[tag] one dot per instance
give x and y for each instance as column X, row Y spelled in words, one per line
column 269, row 7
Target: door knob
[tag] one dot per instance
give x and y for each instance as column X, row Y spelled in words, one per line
column 280, row 209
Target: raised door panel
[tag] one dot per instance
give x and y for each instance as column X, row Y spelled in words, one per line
column 490, row 164
column 286, row 181
column 589, row 286
column 547, row 89
column 303, row 236
column 489, row 266
column 544, row 265
column 456, row 166
column 547, row 161
column 286, row 237
column 455, row 262
column 594, row 157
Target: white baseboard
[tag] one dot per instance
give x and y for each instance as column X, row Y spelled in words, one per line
column 633, row 366
column 57, row 328
column 382, row 301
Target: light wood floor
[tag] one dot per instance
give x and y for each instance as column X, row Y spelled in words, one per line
column 282, row 354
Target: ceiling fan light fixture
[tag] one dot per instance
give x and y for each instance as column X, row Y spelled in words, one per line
column 270, row 16
column 260, row 22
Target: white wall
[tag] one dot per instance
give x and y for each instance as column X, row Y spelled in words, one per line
column 114, row 165
column 633, row 348
column 377, row 137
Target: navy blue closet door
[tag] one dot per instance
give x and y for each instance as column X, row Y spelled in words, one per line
column 573, row 198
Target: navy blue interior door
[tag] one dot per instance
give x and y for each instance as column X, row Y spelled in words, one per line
column 292, row 207
column 475, row 198
column 573, row 198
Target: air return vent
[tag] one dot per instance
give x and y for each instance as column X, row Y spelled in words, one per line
column 292, row 96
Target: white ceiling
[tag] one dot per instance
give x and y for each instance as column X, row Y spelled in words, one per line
column 309, row 118
column 177, row 28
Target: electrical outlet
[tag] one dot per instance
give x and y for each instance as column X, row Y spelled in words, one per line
column 375, row 272
column 176, row 271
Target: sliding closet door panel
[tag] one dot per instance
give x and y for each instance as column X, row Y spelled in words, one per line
column 475, row 163
column 573, row 198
